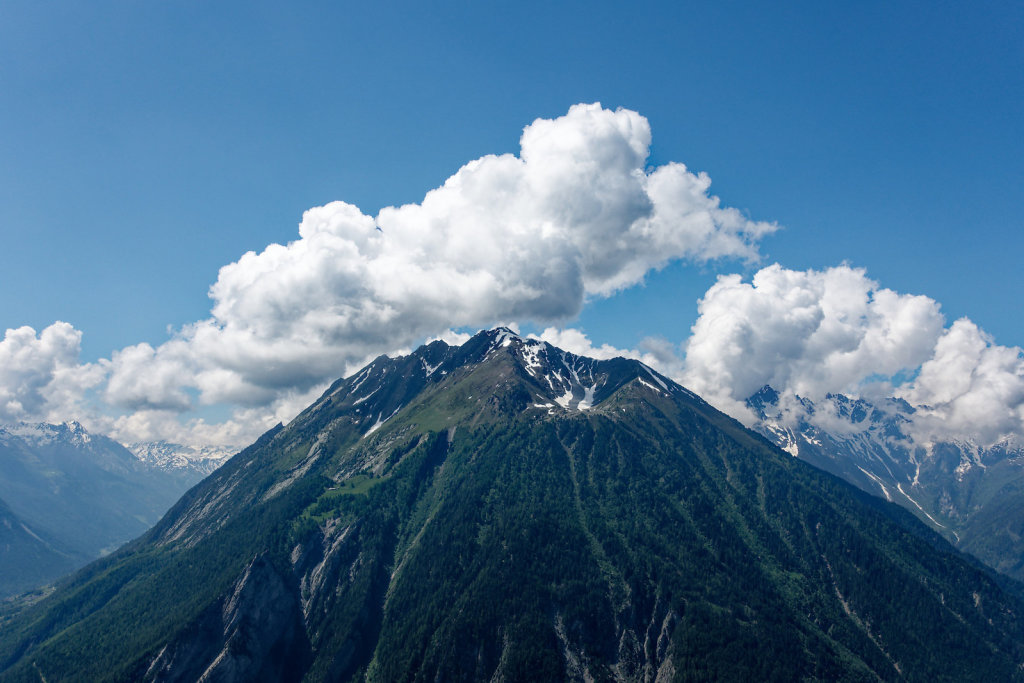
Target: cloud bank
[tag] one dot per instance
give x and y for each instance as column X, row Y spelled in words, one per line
column 810, row 333
column 530, row 237
column 577, row 214
column 40, row 375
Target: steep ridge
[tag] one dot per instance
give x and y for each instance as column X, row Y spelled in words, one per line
column 972, row 495
column 504, row 510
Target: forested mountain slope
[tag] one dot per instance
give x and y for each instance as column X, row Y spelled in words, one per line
column 504, row 510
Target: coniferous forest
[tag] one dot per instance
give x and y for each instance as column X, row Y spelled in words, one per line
column 482, row 532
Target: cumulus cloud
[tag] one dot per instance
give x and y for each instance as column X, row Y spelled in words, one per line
column 242, row 427
column 40, row 375
column 453, row 338
column 576, row 214
column 529, row 237
column 970, row 386
column 139, row 382
column 810, row 333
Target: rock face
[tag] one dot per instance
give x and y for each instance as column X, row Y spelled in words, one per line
column 255, row 635
column 972, row 495
column 507, row 511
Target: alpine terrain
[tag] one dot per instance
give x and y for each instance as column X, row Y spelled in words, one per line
column 191, row 463
column 68, row 496
column 503, row 510
column 971, row 494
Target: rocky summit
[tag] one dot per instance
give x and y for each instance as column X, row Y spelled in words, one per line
column 504, row 510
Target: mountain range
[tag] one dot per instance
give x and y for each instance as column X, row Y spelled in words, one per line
column 504, row 510
column 68, row 496
column 192, row 461
column 971, row 494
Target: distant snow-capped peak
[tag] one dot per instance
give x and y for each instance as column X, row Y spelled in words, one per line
column 42, row 433
column 165, row 455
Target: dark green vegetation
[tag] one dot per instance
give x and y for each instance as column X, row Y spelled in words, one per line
column 521, row 514
column 75, row 496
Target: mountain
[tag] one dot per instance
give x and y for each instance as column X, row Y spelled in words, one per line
column 972, row 495
column 505, row 511
column 174, row 457
column 80, row 494
column 25, row 555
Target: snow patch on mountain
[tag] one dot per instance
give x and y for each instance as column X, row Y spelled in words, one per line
column 587, row 401
column 380, row 422
column 360, row 400
column 428, row 368
column 877, row 480
column 655, row 377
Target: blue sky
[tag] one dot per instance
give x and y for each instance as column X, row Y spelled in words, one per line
column 144, row 145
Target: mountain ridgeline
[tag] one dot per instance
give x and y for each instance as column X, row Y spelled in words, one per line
column 506, row 511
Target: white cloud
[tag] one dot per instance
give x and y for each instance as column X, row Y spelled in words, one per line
column 576, row 341
column 810, row 333
column 577, row 214
column 453, row 338
column 243, row 426
column 40, row 375
column 140, row 380
column 529, row 237
column 970, row 386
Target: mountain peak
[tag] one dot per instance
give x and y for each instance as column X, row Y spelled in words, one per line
column 495, row 361
column 571, row 381
column 37, row 433
column 165, row 455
